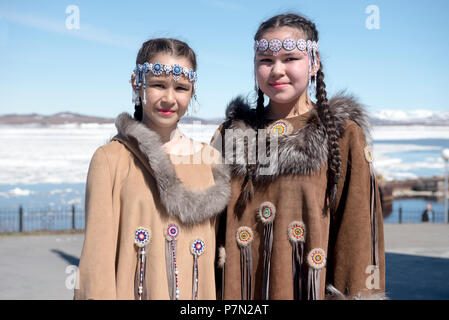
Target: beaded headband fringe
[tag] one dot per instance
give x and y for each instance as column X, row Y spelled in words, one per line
column 158, row 69
column 308, row 46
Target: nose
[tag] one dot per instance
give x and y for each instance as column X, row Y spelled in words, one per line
column 168, row 99
column 277, row 69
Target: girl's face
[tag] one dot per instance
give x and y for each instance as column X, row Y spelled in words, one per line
column 283, row 78
column 167, row 100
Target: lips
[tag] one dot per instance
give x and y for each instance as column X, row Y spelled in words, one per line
column 166, row 112
column 278, row 85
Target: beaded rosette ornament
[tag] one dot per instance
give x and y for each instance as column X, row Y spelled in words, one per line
column 316, row 260
column 171, row 236
column 296, row 232
column 142, row 238
column 307, row 46
column 280, row 128
column 266, row 213
column 244, row 237
column 197, row 249
column 156, row 69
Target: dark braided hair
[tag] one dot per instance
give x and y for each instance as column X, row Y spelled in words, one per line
column 325, row 114
column 153, row 47
column 247, row 188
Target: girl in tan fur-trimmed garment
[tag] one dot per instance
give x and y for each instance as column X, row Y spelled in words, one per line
column 304, row 220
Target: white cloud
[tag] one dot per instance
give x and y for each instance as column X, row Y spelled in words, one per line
column 86, row 31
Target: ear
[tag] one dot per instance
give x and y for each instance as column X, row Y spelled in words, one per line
column 133, row 76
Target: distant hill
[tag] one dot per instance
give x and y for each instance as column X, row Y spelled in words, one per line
column 413, row 117
column 70, row 117
column 57, row 118
column 384, row 117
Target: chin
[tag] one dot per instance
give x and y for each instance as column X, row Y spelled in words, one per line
column 163, row 122
column 166, row 122
column 283, row 99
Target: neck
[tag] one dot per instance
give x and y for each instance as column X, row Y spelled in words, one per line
column 290, row 109
column 169, row 134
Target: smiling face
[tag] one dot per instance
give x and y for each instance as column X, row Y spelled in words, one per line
column 167, row 100
column 283, row 78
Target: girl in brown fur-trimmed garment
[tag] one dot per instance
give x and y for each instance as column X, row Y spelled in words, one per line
column 304, row 219
column 152, row 194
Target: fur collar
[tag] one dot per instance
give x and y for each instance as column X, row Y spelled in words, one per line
column 190, row 206
column 302, row 152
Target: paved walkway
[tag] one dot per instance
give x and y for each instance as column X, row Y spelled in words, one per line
column 417, row 261
column 35, row 266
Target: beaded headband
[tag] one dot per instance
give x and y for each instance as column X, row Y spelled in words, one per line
column 275, row 45
column 157, row 69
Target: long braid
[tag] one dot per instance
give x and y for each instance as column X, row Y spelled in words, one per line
column 334, row 158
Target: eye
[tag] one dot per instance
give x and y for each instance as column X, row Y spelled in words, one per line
column 182, row 88
column 157, row 85
column 291, row 59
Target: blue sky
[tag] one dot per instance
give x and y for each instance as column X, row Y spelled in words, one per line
column 47, row 68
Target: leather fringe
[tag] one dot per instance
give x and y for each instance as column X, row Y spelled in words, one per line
column 298, row 272
column 373, row 216
column 313, row 285
column 246, row 267
column 268, row 245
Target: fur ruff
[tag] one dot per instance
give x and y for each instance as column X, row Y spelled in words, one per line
column 190, row 206
column 221, row 257
column 302, row 152
column 333, row 293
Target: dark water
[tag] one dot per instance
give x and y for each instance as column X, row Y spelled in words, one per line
column 41, row 195
column 412, row 210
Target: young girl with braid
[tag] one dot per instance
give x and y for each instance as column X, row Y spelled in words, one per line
column 305, row 224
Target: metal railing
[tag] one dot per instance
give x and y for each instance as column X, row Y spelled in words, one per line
column 402, row 215
column 32, row 219
column 72, row 218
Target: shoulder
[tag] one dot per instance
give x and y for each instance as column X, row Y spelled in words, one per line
column 110, row 153
column 350, row 115
column 353, row 131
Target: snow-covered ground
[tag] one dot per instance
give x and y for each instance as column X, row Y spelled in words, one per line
column 61, row 154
